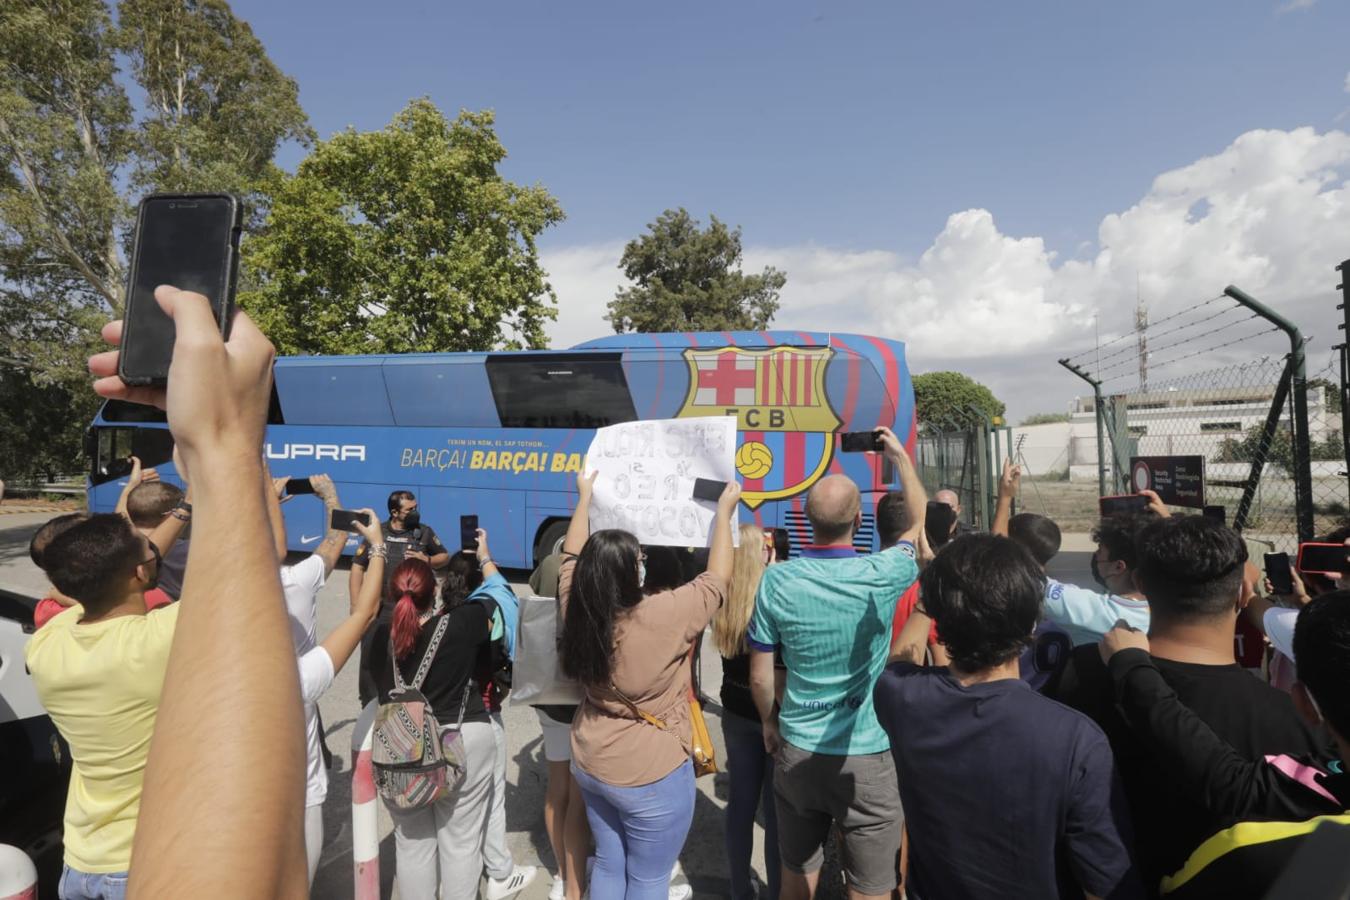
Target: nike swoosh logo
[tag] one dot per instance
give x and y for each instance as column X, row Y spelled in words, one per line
column 310, row 540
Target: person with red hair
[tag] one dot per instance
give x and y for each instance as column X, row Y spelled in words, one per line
column 439, row 848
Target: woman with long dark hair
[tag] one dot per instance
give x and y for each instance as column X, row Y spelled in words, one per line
column 631, row 736
column 439, row 848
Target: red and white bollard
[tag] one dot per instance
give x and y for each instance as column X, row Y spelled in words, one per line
column 365, row 818
column 18, row 875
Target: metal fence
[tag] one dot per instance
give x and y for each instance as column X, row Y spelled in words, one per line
column 1203, row 382
column 965, row 459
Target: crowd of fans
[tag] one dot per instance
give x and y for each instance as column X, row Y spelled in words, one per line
column 966, row 725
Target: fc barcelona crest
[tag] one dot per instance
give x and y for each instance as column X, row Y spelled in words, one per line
column 777, row 395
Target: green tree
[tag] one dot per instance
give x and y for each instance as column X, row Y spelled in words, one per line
column 1044, row 419
column 1329, row 448
column 401, row 240
column 42, row 420
column 1332, row 393
column 217, row 107
column 1245, row 449
column 946, row 399
column 687, row 278
column 76, row 155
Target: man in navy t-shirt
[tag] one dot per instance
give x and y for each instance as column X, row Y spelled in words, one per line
column 1006, row 792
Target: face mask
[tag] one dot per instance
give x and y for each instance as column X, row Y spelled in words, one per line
column 412, row 520
column 153, row 581
column 1096, row 573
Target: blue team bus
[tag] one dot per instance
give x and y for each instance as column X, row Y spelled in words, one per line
column 502, row 435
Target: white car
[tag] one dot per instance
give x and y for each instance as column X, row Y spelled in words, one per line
column 34, row 758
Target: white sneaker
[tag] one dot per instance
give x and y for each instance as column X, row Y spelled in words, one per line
column 559, row 889
column 512, row 884
column 680, row 892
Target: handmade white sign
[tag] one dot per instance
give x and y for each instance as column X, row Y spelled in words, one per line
column 646, row 478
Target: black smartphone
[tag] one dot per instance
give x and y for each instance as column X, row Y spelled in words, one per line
column 346, row 519
column 782, row 544
column 299, row 486
column 190, row 241
column 468, row 533
column 1277, row 570
column 860, row 442
column 1122, row 505
column 708, row 489
column 1217, row 513
column 1323, row 559
column 118, row 468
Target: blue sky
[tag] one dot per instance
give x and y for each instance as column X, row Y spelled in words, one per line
column 848, row 124
column 855, row 129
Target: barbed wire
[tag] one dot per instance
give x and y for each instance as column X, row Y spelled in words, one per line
column 1259, row 372
column 1211, row 348
column 1182, row 340
column 1104, row 374
column 1151, row 335
column 1132, row 334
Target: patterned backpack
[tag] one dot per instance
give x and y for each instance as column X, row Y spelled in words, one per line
column 412, row 769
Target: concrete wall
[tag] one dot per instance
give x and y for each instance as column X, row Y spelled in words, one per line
column 1045, row 448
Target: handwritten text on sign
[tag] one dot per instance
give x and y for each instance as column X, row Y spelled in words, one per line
column 646, row 477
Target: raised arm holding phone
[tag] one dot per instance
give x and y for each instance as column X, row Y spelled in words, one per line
column 819, row 612
column 220, row 824
column 632, row 653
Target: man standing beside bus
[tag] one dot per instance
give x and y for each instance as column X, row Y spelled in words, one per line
column 405, row 537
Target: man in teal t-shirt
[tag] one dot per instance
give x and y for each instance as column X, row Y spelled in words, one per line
column 829, row 614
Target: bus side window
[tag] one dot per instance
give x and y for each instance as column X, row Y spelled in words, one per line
column 153, row 446
column 560, row 390
column 110, row 444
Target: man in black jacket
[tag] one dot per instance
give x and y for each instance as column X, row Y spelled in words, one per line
column 1282, row 798
column 1191, row 570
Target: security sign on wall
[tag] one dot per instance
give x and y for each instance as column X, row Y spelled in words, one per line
column 1177, row 480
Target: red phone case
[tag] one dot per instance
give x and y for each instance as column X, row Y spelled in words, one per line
column 1339, row 550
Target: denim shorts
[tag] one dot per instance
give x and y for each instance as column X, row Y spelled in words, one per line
column 76, row 885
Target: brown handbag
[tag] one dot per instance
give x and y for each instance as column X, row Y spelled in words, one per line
column 700, row 746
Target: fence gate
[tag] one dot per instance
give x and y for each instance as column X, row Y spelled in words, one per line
column 966, row 459
column 1191, row 384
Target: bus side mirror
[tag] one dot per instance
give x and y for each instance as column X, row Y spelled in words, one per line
column 91, row 444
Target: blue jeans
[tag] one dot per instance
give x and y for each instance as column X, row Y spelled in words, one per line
column 750, row 772
column 639, row 832
column 77, row 885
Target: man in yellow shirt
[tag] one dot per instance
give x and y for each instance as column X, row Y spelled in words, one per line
column 99, row 669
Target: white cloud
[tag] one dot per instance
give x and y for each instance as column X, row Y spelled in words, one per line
column 1269, row 213
column 585, row 279
column 1294, row 6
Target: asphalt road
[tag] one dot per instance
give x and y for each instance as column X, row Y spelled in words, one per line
column 702, row 860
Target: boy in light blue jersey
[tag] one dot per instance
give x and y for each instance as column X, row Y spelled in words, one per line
column 830, row 613
column 1088, row 615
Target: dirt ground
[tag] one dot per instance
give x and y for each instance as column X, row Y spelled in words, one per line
column 1073, row 506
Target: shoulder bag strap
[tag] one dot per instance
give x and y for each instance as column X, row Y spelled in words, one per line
column 637, row 710
column 393, row 659
column 430, row 654
column 695, row 686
